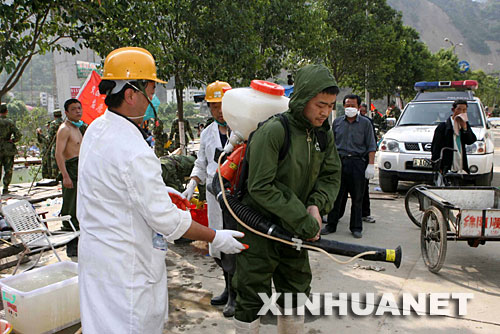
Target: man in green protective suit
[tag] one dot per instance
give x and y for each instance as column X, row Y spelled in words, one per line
column 293, row 192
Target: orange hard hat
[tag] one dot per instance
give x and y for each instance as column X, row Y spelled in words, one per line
column 216, row 90
column 130, row 63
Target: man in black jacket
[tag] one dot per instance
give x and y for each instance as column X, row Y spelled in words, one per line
column 455, row 133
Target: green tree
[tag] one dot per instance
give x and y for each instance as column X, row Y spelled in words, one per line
column 361, row 35
column 166, row 109
column 487, row 86
column 27, row 121
column 412, row 65
column 189, row 109
column 197, row 42
column 175, row 32
column 37, row 77
column 28, row 28
column 16, row 108
column 443, row 66
column 357, row 39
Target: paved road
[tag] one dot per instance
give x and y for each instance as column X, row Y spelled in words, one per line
column 193, row 278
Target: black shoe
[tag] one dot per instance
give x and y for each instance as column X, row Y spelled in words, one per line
column 228, row 310
column 5, row 191
column 72, row 248
column 329, row 228
column 221, row 299
column 357, row 234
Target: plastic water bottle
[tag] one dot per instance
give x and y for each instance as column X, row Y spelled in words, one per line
column 159, row 242
column 3, row 225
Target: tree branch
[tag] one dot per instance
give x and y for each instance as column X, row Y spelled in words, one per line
column 24, row 61
column 13, row 79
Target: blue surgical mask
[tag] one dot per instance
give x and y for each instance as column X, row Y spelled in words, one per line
column 221, row 124
column 77, row 124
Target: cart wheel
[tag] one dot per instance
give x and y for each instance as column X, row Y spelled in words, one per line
column 412, row 206
column 433, row 239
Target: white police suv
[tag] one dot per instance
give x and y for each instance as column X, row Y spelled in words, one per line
column 405, row 150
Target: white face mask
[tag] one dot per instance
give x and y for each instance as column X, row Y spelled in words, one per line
column 351, row 112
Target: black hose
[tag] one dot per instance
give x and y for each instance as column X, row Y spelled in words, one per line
column 262, row 224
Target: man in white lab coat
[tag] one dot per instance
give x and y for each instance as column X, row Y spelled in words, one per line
column 214, row 137
column 122, row 206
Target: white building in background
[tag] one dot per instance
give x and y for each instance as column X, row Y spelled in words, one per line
column 72, row 70
column 187, row 96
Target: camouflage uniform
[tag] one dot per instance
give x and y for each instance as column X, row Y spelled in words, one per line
column 377, row 120
column 161, row 138
column 9, row 134
column 43, row 144
column 174, row 134
column 395, row 112
column 53, row 127
column 48, row 149
column 175, row 169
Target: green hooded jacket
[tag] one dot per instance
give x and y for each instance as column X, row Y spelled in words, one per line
column 282, row 190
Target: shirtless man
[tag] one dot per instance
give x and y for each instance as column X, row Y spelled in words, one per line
column 68, row 140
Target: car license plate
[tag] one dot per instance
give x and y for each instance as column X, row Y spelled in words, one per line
column 422, row 163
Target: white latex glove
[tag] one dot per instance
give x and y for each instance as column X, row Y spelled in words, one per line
column 370, row 172
column 174, row 191
column 188, row 193
column 225, row 241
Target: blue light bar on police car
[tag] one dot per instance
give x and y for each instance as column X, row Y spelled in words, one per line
column 429, row 85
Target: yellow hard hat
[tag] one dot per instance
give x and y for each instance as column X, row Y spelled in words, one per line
column 130, row 63
column 216, row 90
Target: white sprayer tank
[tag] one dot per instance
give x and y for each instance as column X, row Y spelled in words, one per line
column 244, row 108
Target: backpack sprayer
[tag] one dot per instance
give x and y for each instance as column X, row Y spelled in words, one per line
column 255, row 105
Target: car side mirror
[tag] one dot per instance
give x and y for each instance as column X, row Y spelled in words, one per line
column 390, row 122
column 488, row 125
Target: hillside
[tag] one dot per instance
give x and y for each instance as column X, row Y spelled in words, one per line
column 473, row 23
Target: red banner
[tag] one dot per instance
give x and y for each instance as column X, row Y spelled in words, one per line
column 92, row 101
